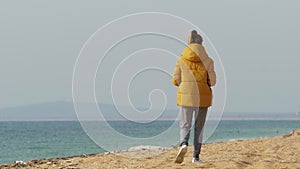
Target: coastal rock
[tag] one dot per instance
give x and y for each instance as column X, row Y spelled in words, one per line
column 293, row 133
column 20, row 164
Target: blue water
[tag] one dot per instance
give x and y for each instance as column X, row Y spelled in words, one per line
column 35, row 140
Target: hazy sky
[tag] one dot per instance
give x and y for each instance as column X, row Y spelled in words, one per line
column 257, row 42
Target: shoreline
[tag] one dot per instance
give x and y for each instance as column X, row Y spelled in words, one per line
column 277, row 152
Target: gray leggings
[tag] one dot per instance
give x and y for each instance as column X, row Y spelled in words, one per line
column 186, row 116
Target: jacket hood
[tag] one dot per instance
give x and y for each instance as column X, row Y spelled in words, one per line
column 195, row 53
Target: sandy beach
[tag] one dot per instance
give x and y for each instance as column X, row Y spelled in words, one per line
column 277, row 152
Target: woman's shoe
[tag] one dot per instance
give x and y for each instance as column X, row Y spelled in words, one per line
column 181, row 153
column 196, row 160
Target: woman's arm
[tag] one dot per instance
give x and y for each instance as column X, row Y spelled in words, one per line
column 176, row 80
column 211, row 74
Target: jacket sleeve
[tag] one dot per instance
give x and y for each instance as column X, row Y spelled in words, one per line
column 176, row 80
column 211, row 74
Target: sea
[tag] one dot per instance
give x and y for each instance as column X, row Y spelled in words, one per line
column 27, row 140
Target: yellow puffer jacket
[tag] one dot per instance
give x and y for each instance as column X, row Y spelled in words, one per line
column 194, row 75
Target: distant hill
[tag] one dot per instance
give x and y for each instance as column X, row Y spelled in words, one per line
column 64, row 111
column 61, row 111
column 43, row 111
column 261, row 116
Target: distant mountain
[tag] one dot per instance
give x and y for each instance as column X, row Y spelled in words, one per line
column 261, row 116
column 64, row 111
column 43, row 111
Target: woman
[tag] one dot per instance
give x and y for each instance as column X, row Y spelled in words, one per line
column 194, row 75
